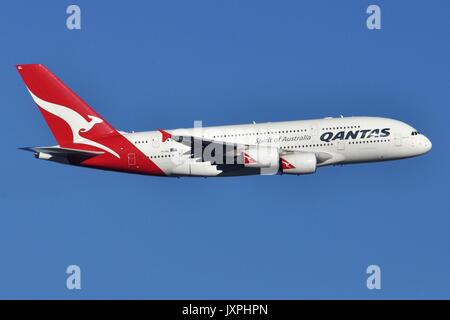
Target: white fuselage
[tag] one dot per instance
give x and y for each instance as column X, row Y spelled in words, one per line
column 332, row 140
column 291, row 147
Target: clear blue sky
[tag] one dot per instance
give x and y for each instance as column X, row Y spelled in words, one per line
column 149, row 64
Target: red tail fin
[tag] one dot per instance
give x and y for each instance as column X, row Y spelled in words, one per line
column 70, row 118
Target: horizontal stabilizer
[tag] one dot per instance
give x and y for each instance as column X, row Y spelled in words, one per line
column 59, row 154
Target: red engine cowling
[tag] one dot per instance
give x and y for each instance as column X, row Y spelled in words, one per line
column 260, row 157
column 299, row 163
column 265, row 158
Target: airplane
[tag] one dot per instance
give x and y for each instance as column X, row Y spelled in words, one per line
column 86, row 139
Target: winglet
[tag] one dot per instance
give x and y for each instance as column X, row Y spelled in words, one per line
column 165, row 135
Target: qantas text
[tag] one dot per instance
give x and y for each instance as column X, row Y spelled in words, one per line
column 357, row 134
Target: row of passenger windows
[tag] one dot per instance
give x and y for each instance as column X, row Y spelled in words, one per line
column 258, row 133
column 341, row 128
column 369, row 141
column 273, row 132
column 331, row 144
column 161, row 156
column 309, row 145
column 146, row 141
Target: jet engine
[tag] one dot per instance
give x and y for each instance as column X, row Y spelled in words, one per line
column 265, row 158
column 298, row 163
column 260, row 157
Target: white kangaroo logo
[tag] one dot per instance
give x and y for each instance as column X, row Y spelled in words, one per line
column 93, row 122
column 76, row 122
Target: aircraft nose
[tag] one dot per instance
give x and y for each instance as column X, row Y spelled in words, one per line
column 426, row 144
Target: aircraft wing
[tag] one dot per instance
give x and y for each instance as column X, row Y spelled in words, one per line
column 233, row 149
column 229, row 148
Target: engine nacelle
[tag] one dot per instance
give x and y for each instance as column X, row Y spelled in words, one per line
column 299, row 163
column 261, row 157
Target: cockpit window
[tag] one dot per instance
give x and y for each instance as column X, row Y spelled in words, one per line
column 414, row 133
